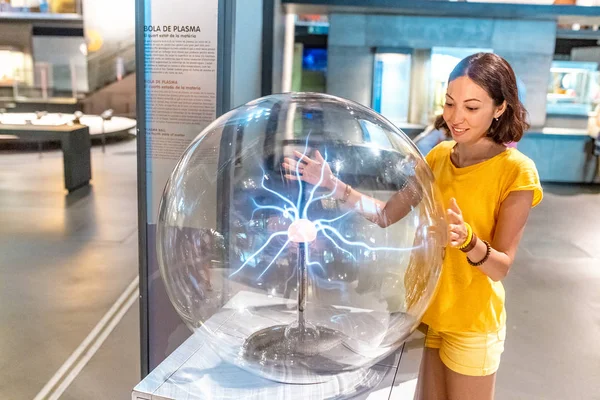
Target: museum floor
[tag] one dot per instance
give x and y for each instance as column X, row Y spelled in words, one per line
column 66, row 260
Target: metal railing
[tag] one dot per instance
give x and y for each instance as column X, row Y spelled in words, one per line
column 46, row 81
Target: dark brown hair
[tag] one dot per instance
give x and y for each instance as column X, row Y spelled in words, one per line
column 495, row 75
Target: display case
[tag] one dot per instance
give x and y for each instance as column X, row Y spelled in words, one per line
column 12, row 65
column 391, row 84
column 572, row 88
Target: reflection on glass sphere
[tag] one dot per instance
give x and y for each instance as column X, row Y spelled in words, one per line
column 291, row 275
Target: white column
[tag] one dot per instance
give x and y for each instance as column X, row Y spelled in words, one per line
column 288, row 52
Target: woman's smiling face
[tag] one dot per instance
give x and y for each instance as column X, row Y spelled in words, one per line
column 469, row 110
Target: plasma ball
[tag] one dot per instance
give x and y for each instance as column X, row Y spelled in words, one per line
column 302, row 231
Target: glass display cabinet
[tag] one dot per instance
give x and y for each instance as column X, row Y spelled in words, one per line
column 572, row 88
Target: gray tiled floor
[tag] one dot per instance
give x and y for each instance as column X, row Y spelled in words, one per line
column 553, row 301
column 64, row 260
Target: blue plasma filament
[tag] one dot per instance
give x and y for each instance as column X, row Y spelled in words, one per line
column 293, row 213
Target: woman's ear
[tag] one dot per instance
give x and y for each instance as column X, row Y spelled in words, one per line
column 500, row 110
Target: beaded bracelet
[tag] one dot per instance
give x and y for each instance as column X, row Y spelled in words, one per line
column 484, row 259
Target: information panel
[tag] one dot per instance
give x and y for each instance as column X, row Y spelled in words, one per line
column 180, row 69
column 177, row 88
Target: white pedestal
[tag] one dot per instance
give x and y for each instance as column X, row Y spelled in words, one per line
column 194, row 371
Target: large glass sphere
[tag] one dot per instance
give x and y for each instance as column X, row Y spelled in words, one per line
column 302, row 235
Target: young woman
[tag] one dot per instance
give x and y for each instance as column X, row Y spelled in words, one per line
column 488, row 190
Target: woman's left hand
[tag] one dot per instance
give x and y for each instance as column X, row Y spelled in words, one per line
column 314, row 171
column 457, row 231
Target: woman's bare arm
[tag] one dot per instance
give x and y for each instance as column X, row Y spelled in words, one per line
column 383, row 213
column 512, row 218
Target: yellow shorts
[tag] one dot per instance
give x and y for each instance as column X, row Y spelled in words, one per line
column 468, row 353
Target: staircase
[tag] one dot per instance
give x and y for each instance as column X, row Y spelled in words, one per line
column 118, row 96
column 111, row 76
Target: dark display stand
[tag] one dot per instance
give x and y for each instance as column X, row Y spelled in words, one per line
column 75, row 144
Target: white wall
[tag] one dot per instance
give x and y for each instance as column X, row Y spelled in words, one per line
column 114, row 20
column 111, row 23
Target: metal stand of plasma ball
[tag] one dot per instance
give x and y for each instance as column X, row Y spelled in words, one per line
column 302, row 337
column 302, row 285
column 290, row 352
column 302, row 292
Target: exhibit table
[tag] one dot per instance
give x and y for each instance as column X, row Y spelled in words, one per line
column 195, row 371
column 561, row 154
column 98, row 127
column 75, row 144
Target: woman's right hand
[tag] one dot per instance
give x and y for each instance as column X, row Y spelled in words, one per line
column 309, row 170
column 457, row 231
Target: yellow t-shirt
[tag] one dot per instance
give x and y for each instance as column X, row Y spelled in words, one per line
column 467, row 300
